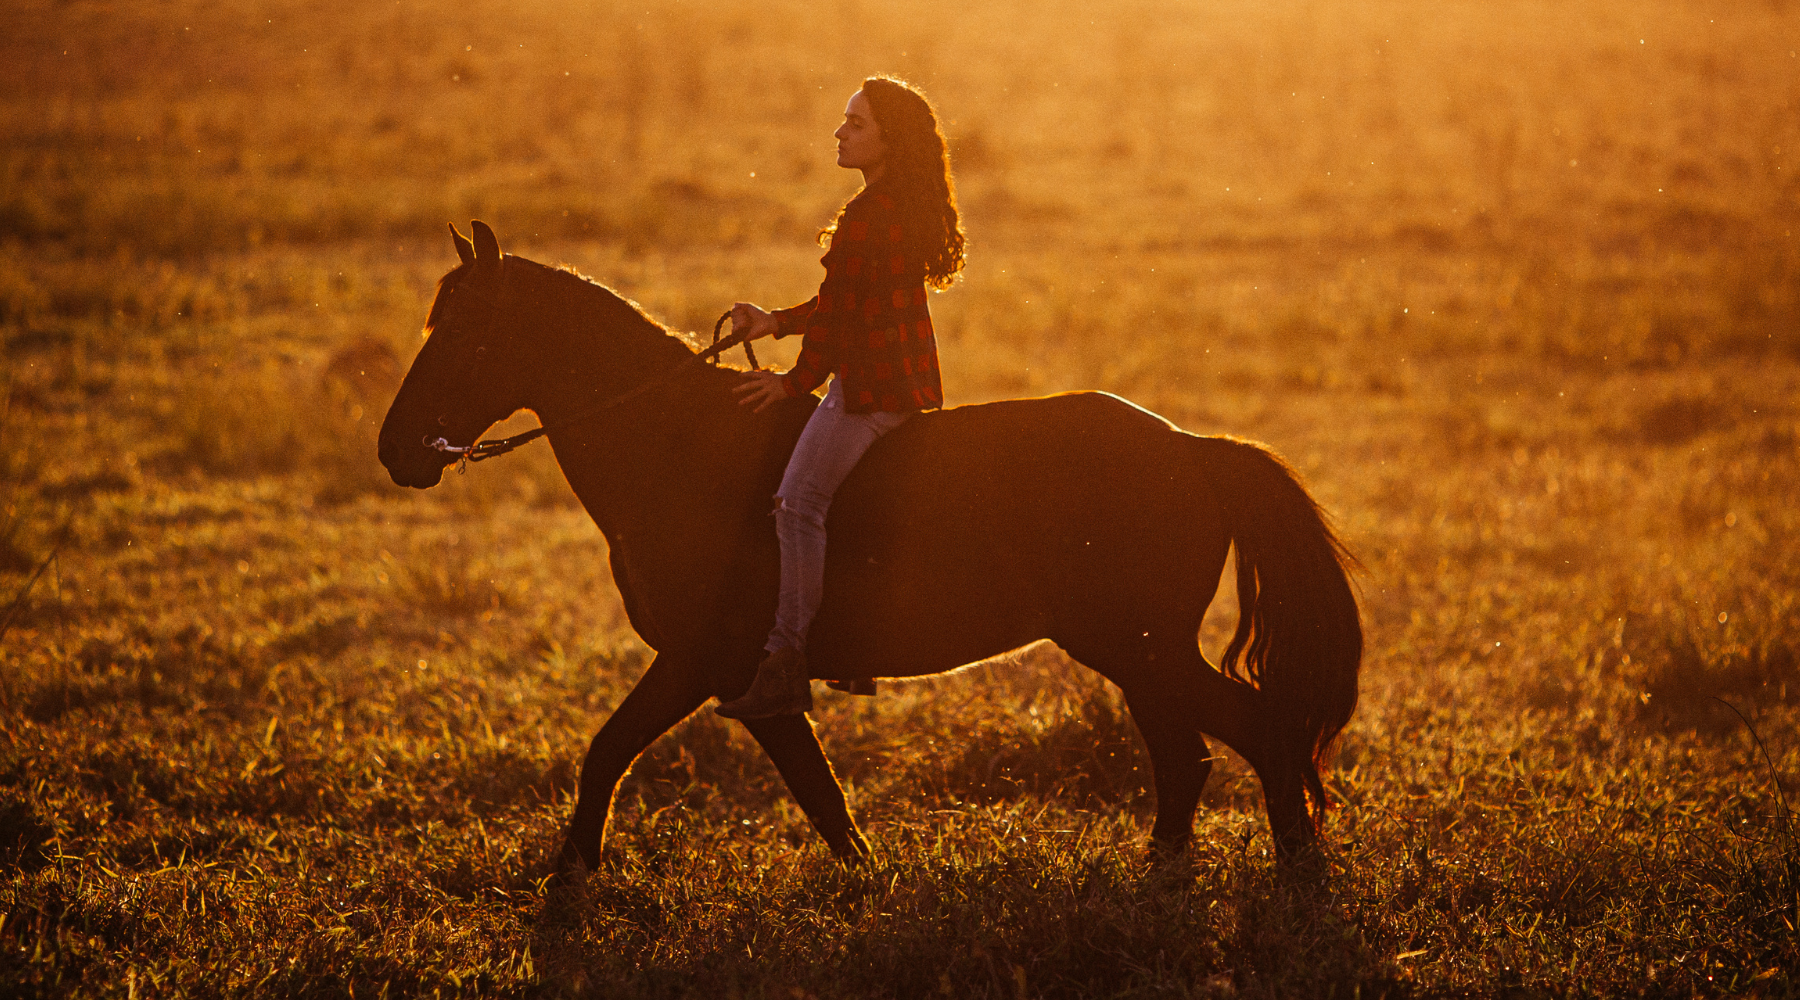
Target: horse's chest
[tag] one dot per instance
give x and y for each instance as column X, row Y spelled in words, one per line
column 675, row 599
column 637, row 593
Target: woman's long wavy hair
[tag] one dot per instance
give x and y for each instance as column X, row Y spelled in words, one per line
column 917, row 178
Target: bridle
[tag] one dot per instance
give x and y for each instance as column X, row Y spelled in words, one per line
column 483, row 450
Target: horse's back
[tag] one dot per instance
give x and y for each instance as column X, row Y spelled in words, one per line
column 973, row 530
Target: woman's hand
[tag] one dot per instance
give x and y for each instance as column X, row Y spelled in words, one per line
column 760, row 390
column 746, row 316
column 763, row 389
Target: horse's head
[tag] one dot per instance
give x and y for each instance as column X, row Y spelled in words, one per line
column 467, row 377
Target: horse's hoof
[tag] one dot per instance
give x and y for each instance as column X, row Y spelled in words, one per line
column 567, row 868
column 853, row 851
column 1297, row 844
column 566, row 883
column 1167, row 866
column 560, row 883
column 1162, row 853
column 1302, row 858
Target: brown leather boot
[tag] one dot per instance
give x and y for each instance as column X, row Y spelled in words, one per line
column 780, row 688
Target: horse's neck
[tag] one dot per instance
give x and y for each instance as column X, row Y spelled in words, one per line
column 590, row 344
column 638, row 458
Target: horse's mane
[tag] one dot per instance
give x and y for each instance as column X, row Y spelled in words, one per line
column 592, row 297
column 616, row 307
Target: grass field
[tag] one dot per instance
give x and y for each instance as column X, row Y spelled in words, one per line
column 1514, row 284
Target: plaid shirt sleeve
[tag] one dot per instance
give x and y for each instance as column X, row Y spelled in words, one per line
column 810, row 319
column 793, row 319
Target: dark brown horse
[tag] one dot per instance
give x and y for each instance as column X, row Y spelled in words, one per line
column 1078, row 518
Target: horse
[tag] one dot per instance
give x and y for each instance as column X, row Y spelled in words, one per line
column 966, row 533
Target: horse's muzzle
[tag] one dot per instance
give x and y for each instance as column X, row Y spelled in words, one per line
column 415, row 466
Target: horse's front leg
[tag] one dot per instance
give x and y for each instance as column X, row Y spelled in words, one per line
column 790, row 742
column 667, row 693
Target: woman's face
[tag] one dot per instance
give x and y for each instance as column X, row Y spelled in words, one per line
column 859, row 138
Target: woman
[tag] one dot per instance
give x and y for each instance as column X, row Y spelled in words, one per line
column 868, row 327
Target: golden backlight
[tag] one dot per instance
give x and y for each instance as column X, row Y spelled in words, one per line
column 1515, row 285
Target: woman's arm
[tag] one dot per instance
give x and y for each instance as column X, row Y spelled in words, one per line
column 793, row 319
column 828, row 318
column 823, row 319
column 775, row 323
column 817, row 354
column 763, row 389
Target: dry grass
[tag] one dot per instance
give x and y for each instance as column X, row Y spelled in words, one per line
column 1515, row 284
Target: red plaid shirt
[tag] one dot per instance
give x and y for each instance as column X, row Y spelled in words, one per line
column 868, row 324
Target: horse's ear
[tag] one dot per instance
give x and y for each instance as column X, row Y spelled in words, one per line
column 486, row 247
column 464, row 248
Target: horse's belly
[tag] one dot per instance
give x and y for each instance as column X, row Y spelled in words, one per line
column 899, row 621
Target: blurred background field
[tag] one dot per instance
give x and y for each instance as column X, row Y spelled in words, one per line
column 1514, row 284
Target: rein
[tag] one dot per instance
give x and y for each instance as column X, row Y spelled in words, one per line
column 483, row 450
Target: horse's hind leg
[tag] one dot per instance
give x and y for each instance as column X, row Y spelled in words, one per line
column 1168, row 701
column 666, row 694
column 790, row 742
column 1177, row 696
column 1245, row 720
column 1179, row 762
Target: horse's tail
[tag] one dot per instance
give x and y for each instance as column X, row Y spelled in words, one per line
column 1299, row 636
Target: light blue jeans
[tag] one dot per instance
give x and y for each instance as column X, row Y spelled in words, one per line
column 830, row 446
